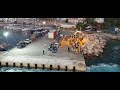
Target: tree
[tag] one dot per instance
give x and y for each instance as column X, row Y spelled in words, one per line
column 80, row 25
column 89, row 21
column 111, row 22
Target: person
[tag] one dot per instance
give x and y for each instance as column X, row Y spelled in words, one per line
column 68, row 49
column 43, row 52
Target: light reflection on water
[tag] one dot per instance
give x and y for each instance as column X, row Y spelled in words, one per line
column 104, row 68
column 11, row 69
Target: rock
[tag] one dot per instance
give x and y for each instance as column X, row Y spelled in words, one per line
column 101, row 50
column 102, row 46
column 84, row 52
column 89, row 47
column 96, row 51
column 93, row 44
column 90, row 51
column 96, row 54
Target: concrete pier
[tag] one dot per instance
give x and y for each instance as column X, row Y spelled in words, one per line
column 36, row 62
column 32, row 56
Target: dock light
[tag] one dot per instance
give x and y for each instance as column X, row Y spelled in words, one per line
column 5, row 34
column 44, row 23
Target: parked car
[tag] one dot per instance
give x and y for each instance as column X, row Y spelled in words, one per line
column 46, row 31
column 56, row 44
column 53, row 48
column 3, row 47
column 21, row 45
column 28, row 41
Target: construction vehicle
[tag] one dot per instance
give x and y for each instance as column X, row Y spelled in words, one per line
column 74, row 42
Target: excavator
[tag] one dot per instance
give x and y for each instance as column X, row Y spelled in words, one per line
column 74, row 42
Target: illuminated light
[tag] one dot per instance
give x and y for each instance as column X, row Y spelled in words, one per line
column 5, row 34
column 44, row 22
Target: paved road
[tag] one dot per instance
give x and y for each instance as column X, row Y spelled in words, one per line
column 13, row 37
column 36, row 48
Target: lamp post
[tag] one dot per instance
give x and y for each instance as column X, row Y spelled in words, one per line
column 44, row 22
column 6, row 34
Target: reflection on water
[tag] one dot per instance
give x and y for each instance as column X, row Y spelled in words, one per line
column 104, row 68
column 11, row 69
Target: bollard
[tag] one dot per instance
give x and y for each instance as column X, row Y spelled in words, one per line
column 28, row 66
column 74, row 69
column 65, row 68
column 43, row 66
column 50, row 67
column 13, row 64
column 6, row 64
column 0, row 64
column 58, row 67
column 35, row 66
column 21, row 65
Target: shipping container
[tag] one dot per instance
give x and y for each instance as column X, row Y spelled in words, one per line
column 52, row 34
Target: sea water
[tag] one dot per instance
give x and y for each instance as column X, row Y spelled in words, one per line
column 109, row 61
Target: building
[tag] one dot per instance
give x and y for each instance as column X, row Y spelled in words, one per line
column 68, row 26
column 99, row 20
column 75, row 20
column 8, row 19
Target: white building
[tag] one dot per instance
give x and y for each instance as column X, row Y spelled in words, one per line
column 99, row 20
column 8, row 19
column 76, row 20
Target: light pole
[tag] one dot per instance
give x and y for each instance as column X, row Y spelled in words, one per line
column 6, row 34
column 44, row 22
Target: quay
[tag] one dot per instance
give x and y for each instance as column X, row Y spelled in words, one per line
column 31, row 57
column 37, row 62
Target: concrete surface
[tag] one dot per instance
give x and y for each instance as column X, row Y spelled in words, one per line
column 33, row 53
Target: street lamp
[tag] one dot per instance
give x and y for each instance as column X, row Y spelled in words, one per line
column 6, row 34
column 44, row 23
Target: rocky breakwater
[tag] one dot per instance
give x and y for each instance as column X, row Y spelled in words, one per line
column 93, row 45
column 117, row 37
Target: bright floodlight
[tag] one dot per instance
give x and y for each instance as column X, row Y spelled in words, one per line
column 5, row 34
column 44, row 22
